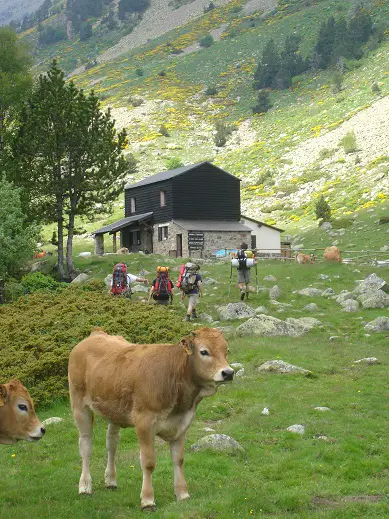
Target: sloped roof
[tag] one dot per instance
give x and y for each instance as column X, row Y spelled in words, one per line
column 211, row 225
column 124, row 222
column 166, row 175
column 261, row 223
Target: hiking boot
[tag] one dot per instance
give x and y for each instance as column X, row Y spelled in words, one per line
column 247, row 296
column 187, row 318
column 241, row 296
column 194, row 315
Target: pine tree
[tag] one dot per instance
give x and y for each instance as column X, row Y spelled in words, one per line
column 268, row 67
column 325, row 43
column 322, row 209
column 263, row 103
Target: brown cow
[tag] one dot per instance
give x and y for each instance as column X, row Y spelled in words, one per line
column 332, row 254
column 18, row 420
column 305, row 258
column 152, row 387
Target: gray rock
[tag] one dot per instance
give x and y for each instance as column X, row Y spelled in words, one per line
column 304, row 324
column 334, row 337
column 343, row 296
column 372, row 282
column 235, row 311
column 275, row 292
column 261, row 310
column 296, row 428
column 367, row 360
column 381, row 324
column 374, row 299
column 280, row 366
column 328, row 292
column 323, row 276
column 349, row 305
column 206, row 317
column 139, row 288
column 240, row 373
column 270, row 278
column 312, row 307
column 37, row 266
column 326, row 226
column 322, row 409
column 144, row 272
column 81, row 278
column 309, row 291
column 108, row 281
column 266, row 325
column 297, row 246
column 226, row 329
column 85, row 254
column 217, row 442
column 385, row 248
column 236, row 365
column 52, row 420
column 210, row 281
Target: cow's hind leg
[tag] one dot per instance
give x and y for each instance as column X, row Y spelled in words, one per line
column 113, row 436
column 177, row 452
column 84, row 420
column 148, row 460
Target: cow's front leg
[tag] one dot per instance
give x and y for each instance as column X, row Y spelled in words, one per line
column 113, row 436
column 84, row 420
column 146, row 437
column 177, row 452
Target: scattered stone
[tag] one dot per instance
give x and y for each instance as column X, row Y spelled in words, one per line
column 265, row 411
column 280, row 366
column 205, row 317
column 323, row 438
column 85, row 254
column 344, row 295
column 322, row 409
column 266, row 325
column 374, row 299
column 328, row 292
column 236, row 365
column 81, row 278
column 52, row 420
column 367, row 360
column 208, row 429
column 270, row 278
column 385, row 248
column 108, row 281
column 334, row 337
column 275, row 292
column 217, row 442
column 312, row 307
column 144, row 272
column 210, row 281
column 372, row 282
column 381, row 324
column 326, row 226
column 349, row 305
column 240, row 372
column 139, row 288
column 323, row 276
column 261, row 310
column 309, row 291
column 296, row 428
column 235, row 311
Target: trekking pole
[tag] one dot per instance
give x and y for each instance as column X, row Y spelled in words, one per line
column 229, row 288
column 256, row 276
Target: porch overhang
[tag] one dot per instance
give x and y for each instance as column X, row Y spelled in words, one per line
column 123, row 223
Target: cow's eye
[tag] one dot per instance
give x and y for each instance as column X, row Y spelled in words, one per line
column 204, row 352
column 22, row 407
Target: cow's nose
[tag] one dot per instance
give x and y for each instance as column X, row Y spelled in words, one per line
column 43, row 430
column 228, row 374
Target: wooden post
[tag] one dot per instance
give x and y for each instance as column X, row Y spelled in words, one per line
column 114, row 245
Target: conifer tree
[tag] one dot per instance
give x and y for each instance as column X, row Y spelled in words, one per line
column 322, row 209
column 268, row 67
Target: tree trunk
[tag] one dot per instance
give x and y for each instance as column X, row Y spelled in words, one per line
column 69, row 245
column 2, row 292
column 61, row 270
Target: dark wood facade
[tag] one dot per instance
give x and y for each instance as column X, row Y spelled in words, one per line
column 199, row 192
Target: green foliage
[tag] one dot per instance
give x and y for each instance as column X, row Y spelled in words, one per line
column 174, row 163
column 36, row 281
column 85, row 31
column 322, row 209
column 51, row 34
column 132, row 6
column 375, row 88
column 206, row 41
column 139, row 72
column 383, row 220
column 40, row 330
column 337, row 81
column 80, row 10
column 164, row 131
column 326, row 153
column 263, row 102
column 210, row 91
column 223, row 131
column 341, row 223
column 349, row 142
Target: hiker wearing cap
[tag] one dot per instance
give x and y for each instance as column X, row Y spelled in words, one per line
column 190, row 283
column 162, row 287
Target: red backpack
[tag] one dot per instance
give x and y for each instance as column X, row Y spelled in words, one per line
column 119, row 279
column 163, row 285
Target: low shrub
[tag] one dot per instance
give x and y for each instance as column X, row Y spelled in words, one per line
column 210, row 91
column 341, row 223
column 164, row 131
column 40, row 330
column 206, row 41
column 383, row 220
column 139, row 72
column 349, row 142
column 326, row 153
column 38, row 281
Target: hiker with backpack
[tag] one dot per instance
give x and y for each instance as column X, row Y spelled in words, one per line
column 121, row 281
column 190, row 283
column 162, row 287
column 245, row 262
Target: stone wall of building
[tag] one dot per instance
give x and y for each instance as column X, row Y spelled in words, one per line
column 216, row 240
column 170, row 244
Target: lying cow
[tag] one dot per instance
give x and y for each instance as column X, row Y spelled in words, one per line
column 332, row 254
column 305, row 258
column 152, row 387
column 18, row 420
column 123, row 250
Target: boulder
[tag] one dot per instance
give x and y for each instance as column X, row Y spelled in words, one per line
column 372, row 282
column 344, row 295
column 261, row 310
column 52, row 420
column 81, row 278
column 270, row 278
column 323, row 409
column 374, row 299
column 296, row 428
column 326, row 226
column 304, row 324
column 381, row 324
column 280, row 366
column 328, row 292
column 312, row 307
column 217, row 442
column 210, row 281
column 85, row 254
column 235, row 311
column 312, row 292
column 275, row 292
column 38, row 265
column 139, row 288
column 206, row 317
column 349, row 305
column 367, row 360
column 266, row 325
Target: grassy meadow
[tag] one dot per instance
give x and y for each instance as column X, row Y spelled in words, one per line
column 279, row 474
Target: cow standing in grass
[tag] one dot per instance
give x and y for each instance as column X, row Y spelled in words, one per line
column 18, row 420
column 152, row 387
column 305, row 258
column 332, row 254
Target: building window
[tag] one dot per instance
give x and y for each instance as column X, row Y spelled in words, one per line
column 163, row 233
column 132, row 205
column 162, row 198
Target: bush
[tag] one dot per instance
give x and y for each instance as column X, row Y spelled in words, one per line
column 38, row 281
column 206, row 41
column 135, row 101
column 322, row 209
column 174, row 163
column 51, row 34
column 349, row 142
column 85, row 31
column 162, row 73
column 211, row 91
column 383, row 220
column 40, row 330
column 263, row 103
column 222, row 133
column 164, row 131
column 326, row 153
column 139, row 72
column 337, row 81
column 375, row 88
column 209, row 7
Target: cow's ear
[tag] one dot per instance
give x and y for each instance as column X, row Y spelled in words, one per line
column 188, row 345
column 3, row 395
